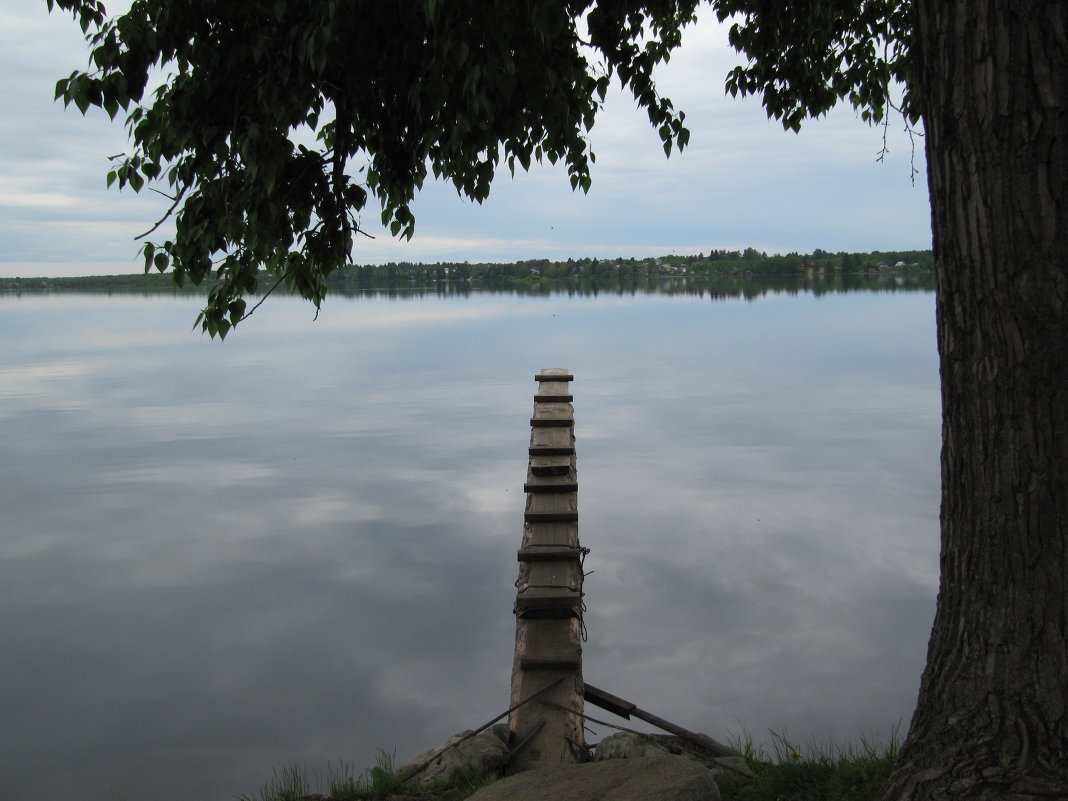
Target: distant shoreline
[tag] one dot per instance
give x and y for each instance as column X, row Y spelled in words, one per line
column 732, row 267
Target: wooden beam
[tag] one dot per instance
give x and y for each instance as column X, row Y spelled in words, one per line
column 625, row 709
column 609, row 702
column 548, row 598
column 553, row 414
column 549, row 553
column 562, row 485
column 564, row 535
column 552, row 441
column 550, row 464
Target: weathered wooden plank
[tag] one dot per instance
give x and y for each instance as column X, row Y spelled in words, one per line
column 553, row 573
column 607, row 701
column 550, row 642
column 550, row 553
column 554, row 374
column 614, row 704
column 550, row 517
column 553, row 397
column 548, row 598
column 550, row 464
column 544, row 663
column 563, row 534
column 553, row 414
column 564, row 484
column 551, row 507
column 549, row 736
column 551, row 450
column 558, row 613
column 551, row 442
column 550, row 502
column 558, row 411
column 553, row 392
column 569, row 475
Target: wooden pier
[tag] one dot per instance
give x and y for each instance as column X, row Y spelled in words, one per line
column 548, row 605
column 546, row 714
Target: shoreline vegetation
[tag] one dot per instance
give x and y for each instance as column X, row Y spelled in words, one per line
column 724, row 272
column 786, row 773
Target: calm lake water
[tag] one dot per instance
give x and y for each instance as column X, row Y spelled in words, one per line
column 298, row 545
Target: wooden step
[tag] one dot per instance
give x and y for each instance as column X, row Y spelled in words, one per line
column 553, row 414
column 548, row 598
column 550, row 464
column 553, row 397
column 550, row 517
column 554, row 374
column 549, row 645
column 564, row 484
column 549, row 553
column 541, row 663
column 544, row 535
column 551, row 441
column 551, row 507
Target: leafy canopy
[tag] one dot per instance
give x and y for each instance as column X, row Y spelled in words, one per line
column 275, row 122
column 805, row 57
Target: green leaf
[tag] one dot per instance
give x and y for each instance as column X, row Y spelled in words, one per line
column 237, row 310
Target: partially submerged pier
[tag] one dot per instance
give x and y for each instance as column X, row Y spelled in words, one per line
column 546, row 714
column 548, row 604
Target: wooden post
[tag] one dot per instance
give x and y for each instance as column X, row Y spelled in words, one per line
column 548, row 603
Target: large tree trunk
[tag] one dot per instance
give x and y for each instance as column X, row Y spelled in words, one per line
column 992, row 715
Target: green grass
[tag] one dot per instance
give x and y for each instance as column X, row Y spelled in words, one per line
column 788, row 773
column 791, row 773
column 342, row 782
column 286, row 784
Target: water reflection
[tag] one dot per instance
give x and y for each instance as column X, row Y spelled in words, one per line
column 722, row 287
column 299, row 544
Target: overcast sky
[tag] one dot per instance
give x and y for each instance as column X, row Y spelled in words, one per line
column 742, row 181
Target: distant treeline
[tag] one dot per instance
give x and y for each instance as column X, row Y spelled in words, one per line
column 726, row 266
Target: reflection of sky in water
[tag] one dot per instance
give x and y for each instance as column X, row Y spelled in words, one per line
column 299, row 544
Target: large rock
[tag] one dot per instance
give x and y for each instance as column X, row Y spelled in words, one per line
column 483, row 753
column 626, row 745
column 668, row 778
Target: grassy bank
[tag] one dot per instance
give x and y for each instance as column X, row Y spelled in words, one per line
column 792, row 773
column 788, row 773
column 343, row 782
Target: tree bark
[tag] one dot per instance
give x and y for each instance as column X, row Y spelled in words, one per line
column 992, row 715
